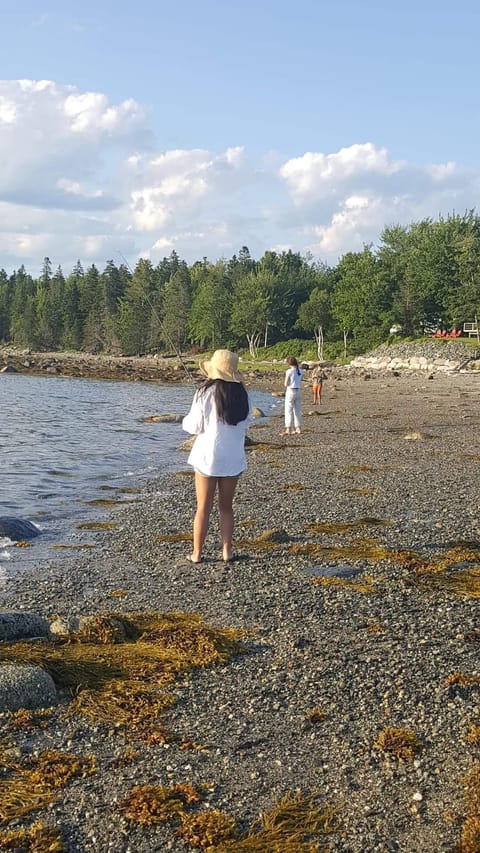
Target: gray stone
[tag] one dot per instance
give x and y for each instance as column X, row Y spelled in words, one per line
column 20, row 625
column 25, row 686
column 8, row 369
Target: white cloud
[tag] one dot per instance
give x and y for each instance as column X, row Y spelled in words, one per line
column 8, row 111
column 81, row 178
column 315, row 173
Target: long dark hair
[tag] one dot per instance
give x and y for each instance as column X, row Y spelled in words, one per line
column 292, row 361
column 231, row 400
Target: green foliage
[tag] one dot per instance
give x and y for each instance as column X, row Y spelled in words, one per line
column 422, row 276
column 301, row 349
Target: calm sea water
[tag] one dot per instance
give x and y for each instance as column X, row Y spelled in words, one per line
column 62, row 441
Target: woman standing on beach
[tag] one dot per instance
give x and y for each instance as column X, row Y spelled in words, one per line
column 219, row 417
column 293, row 401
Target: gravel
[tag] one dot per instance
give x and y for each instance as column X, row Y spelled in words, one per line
column 365, row 660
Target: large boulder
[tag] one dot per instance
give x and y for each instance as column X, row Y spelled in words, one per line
column 16, row 529
column 22, row 625
column 25, row 686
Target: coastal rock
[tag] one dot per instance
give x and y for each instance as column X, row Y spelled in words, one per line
column 63, row 626
column 8, row 369
column 21, row 625
column 25, row 686
column 16, row 529
column 102, row 629
column 257, row 413
column 163, row 419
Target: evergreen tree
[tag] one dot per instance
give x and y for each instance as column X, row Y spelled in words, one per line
column 93, row 307
column 134, row 316
column 23, row 328
column 6, row 295
column 72, row 316
column 210, row 312
column 176, row 309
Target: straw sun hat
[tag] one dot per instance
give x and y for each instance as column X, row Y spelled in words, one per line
column 222, row 365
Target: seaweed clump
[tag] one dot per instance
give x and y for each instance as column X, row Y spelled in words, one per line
column 469, row 841
column 152, row 804
column 293, row 825
column 33, row 784
column 37, row 838
column 402, row 744
column 125, row 683
column 366, row 585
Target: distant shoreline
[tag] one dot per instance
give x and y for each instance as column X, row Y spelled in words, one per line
column 125, row 368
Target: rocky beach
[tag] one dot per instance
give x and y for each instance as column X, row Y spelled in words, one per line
column 354, row 602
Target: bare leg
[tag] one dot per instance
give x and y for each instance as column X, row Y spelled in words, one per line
column 226, row 492
column 205, row 491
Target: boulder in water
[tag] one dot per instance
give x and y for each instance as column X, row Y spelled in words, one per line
column 16, row 529
column 164, row 419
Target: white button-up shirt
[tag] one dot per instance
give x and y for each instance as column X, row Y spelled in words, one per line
column 219, row 449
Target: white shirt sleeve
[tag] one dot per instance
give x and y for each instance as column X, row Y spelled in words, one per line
column 194, row 421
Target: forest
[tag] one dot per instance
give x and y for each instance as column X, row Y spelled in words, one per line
column 419, row 278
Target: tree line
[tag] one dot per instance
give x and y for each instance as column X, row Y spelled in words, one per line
column 420, row 277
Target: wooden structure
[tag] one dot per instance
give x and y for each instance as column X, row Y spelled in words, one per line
column 470, row 329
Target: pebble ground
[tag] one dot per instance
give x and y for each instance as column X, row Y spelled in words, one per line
column 403, row 450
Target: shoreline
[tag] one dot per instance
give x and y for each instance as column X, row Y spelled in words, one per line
column 399, row 457
column 165, row 370
column 427, row 358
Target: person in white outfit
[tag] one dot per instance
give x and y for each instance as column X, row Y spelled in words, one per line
column 219, row 417
column 293, row 400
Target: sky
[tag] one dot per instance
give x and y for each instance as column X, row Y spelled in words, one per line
column 129, row 129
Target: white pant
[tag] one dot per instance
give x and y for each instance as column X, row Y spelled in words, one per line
column 293, row 408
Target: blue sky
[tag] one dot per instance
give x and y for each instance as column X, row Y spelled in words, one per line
column 318, row 123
